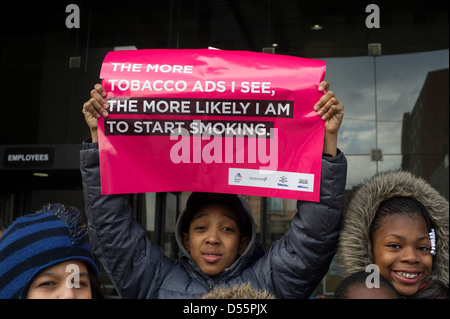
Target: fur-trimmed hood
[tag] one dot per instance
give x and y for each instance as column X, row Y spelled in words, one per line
column 244, row 291
column 355, row 248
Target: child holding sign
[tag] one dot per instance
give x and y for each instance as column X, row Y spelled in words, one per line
column 216, row 233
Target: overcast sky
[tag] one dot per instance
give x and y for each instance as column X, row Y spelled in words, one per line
column 399, row 81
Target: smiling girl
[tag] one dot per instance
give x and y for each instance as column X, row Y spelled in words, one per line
column 400, row 223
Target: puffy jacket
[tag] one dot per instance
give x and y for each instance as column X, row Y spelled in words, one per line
column 138, row 268
column 355, row 247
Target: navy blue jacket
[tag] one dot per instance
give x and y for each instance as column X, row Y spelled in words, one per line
column 292, row 267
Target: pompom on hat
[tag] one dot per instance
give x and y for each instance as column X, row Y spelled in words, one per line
column 37, row 241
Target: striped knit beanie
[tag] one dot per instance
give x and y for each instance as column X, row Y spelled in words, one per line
column 37, row 241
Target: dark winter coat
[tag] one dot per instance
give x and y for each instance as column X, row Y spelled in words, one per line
column 138, row 268
column 355, row 247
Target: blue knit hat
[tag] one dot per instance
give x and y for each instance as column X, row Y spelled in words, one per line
column 37, row 241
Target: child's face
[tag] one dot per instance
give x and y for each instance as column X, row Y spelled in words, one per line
column 214, row 240
column 66, row 280
column 401, row 249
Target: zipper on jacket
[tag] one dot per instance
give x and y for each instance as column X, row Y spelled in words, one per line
column 208, row 281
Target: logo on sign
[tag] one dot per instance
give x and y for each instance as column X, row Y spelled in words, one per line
column 263, row 179
column 303, row 183
column 283, row 181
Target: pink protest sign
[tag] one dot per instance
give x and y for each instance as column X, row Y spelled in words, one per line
column 211, row 120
